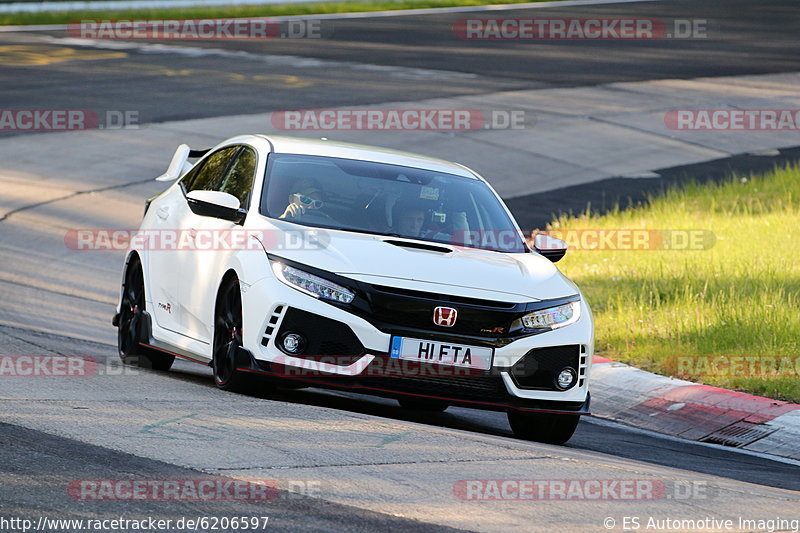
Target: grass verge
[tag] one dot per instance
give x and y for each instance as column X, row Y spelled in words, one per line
column 664, row 310
column 240, row 11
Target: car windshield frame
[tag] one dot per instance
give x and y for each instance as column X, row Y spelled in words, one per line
column 412, row 186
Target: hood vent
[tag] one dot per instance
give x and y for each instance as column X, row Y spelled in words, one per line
column 420, row 246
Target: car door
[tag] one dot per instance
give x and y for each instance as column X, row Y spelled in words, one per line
column 204, row 268
column 174, row 220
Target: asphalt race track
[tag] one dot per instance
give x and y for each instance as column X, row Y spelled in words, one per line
column 342, row 462
column 742, row 38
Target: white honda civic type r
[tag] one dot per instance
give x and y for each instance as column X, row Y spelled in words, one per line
column 311, row 263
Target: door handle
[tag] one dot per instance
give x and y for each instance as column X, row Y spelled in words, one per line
column 163, row 212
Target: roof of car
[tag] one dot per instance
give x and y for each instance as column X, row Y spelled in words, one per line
column 323, row 147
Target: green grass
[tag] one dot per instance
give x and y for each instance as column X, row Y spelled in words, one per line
column 741, row 297
column 241, row 11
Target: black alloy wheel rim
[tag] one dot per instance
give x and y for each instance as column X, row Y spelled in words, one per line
column 131, row 311
column 227, row 334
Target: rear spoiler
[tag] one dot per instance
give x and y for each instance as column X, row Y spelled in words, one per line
column 179, row 163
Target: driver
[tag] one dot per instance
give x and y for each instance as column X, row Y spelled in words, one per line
column 305, row 195
column 410, row 217
column 409, row 220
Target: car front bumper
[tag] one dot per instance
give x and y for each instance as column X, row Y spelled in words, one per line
column 350, row 352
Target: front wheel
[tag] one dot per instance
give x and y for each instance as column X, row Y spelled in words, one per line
column 228, row 339
column 131, row 330
column 543, row 427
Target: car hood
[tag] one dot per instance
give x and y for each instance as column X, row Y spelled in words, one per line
column 469, row 271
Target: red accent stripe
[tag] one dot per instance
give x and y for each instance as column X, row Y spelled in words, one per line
column 374, row 388
column 357, row 387
column 173, row 353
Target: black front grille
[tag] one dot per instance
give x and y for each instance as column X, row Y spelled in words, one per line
column 391, row 307
column 539, row 367
column 395, row 375
column 478, row 388
column 444, row 298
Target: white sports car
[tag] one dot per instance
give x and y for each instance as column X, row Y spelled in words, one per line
column 314, row 263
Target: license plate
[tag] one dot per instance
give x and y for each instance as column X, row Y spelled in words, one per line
column 441, row 353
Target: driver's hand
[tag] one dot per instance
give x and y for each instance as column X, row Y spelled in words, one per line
column 460, row 223
column 293, row 210
column 391, row 199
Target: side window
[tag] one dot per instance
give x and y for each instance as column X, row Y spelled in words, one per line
column 239, row 180
column 187, row 180
column 208, row 177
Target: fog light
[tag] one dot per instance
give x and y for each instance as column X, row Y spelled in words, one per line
column 293, row 343
column 566, row 378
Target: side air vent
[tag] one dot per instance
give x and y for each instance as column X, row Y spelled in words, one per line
column 582, row 366
column 272, row 324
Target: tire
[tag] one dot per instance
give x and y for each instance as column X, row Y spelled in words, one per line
column 228, row 339
column 132, row 329
column 423, row 404
column 543, row 427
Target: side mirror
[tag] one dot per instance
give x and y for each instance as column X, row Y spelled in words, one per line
column 550, row 247
column 216, row 204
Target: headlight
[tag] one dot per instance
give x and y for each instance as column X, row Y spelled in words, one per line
column 311, row 284
column 553, row 317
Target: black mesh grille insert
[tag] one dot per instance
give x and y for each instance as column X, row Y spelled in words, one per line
column 538, row 368
column 483, row 388
column 335, row 348
column 414, row 309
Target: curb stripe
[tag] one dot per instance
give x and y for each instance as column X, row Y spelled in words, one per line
column 694, row 411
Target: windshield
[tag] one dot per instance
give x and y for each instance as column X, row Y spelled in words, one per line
column 390, row 200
